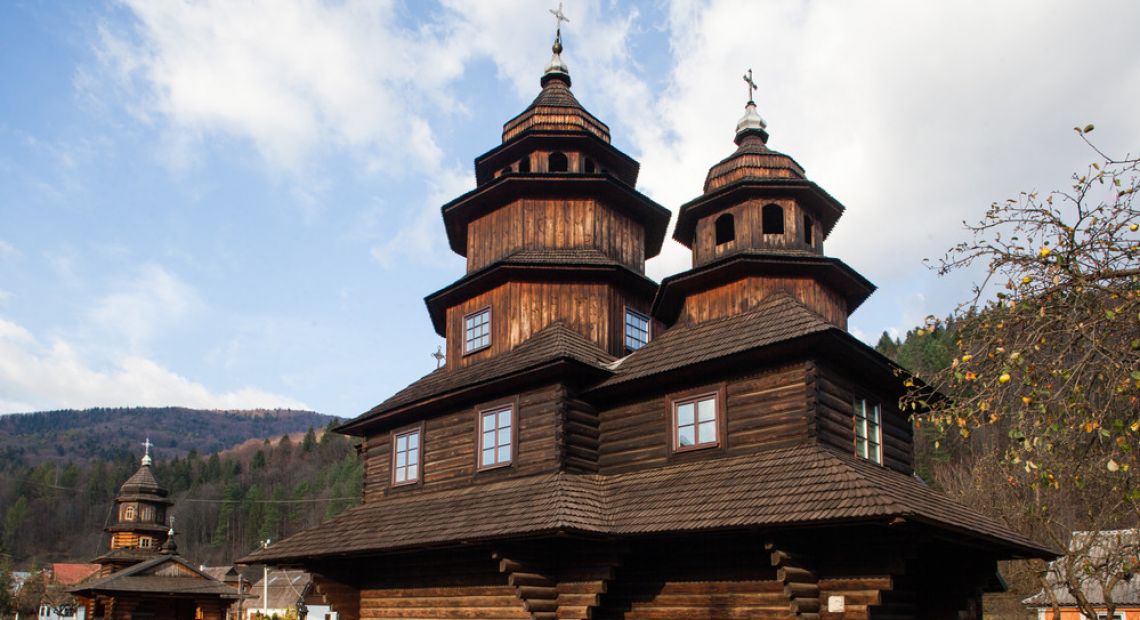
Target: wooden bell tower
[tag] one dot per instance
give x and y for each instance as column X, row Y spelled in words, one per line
column 553, row 232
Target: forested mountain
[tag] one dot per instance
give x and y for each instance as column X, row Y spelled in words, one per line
column 224, row 502
column 71, row 436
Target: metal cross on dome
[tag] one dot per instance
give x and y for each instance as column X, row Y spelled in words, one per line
column 147, row 445
column 559, row 17
column 751, row 85
column 439, row 357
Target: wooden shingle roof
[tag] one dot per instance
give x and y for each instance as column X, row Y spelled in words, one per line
column 554, row 343
column 166, row 575
column 777, row 319
column 802, row 485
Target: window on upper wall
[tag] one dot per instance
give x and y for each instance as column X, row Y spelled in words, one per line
column 868, row 430
column 772, row 217
column 588, row 167
column 558, row 162
column 636, row 329
column 807, row 229
column 524, row 164
column 477, row 331
column 725, row 229
column 695, row 423
column 145, row 542
column 406, row 456
column 496, row 436
column 146, row 513
column 128, row 512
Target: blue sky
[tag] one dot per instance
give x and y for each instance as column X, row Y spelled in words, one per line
column 235, row 204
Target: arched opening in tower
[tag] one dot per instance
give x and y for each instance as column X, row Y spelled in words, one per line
column 773, row 219
column 558, row 162
column 725, row 229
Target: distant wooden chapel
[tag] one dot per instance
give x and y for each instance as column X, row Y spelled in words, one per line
column 142, row 576
column 599, row 445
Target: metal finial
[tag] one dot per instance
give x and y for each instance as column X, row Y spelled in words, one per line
column 559, row 17
column 751, row 85
column 439, row 357
column 146, row 460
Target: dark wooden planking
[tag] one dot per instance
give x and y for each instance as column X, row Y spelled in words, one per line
column 746, row 293
column 836, row 394
column 763, row 411
column 555, row 224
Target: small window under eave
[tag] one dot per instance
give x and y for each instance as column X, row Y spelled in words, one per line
column 808, row 229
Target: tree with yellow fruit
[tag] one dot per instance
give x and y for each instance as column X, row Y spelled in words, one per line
column 1042, row 396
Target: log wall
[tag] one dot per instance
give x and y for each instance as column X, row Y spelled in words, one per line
column 448, row 449
column 555, row 224
column 456, row 585
column 764, row 410
column 835, row 395
column 520, row 309
column 748, row 223
column 680, row 580
column 746, row 293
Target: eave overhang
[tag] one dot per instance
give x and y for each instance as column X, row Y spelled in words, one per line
column 826, row 208
column 495, row 274
column 608, row 189
column 560, row 369
column 155, row 528
column 605, row 154
column 829, row 271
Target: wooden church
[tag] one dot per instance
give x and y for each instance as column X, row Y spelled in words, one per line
column 600, row 445
column 142, row 576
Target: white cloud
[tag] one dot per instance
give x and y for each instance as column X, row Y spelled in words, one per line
column 143, row 305
column 914, row 115
column 291, row 78
column 36, row 375
column 8, row 251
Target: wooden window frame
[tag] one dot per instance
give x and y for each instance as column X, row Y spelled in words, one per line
column 719, row 394
column 129, row 513
column 855, row 421
column 400, row 432
column 490, row 324
column 648, row 327
column 149, row 542
column 498, row 406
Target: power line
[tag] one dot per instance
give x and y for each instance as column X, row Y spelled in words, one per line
column 264, row 501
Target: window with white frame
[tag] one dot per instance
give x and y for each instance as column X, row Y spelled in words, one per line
column 145, row 542
column 636, row 329
column 496, row 436
column 128, row 513
column 406, row 457
column 695, row 422
column 477, row 331
column 868, row 430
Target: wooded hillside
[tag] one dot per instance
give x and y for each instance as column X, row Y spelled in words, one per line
column 54, row 510
column 109, row 433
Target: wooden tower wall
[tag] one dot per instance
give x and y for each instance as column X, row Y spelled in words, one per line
column 555, row 224
column 748, row 220
column 519, row 309
column 742, row 295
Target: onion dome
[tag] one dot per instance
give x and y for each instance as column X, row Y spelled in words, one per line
column 753, row 159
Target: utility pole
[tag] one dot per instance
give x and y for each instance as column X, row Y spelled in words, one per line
column 265, row 583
